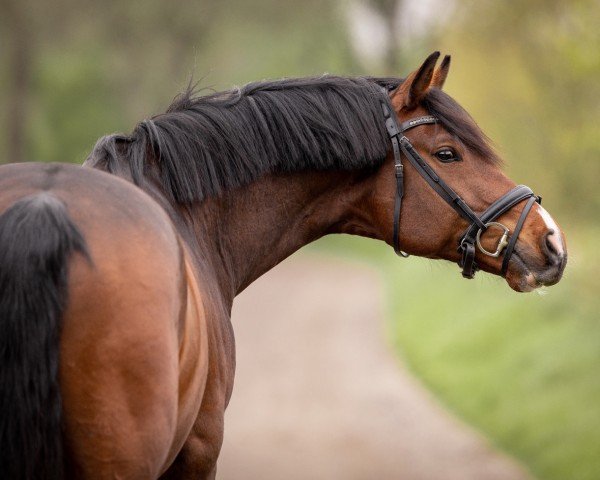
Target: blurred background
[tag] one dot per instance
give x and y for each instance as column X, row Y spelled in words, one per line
column 523, row 369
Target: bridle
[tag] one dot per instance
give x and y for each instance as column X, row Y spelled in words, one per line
column 478, row 224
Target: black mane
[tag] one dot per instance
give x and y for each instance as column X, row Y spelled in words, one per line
column 203, row 145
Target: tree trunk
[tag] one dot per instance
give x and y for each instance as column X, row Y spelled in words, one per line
column 387, row 9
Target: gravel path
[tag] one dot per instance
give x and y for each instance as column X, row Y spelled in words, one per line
column 318, row 395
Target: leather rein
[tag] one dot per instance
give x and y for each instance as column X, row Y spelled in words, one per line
column 470, row 241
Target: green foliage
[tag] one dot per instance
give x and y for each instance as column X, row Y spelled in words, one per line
column 528, row 72
column 75, row 103
column 101, row 67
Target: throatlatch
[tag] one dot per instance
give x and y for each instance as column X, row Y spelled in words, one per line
column 471, row 239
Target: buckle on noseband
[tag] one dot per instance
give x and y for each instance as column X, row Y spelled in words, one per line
column 502, row 243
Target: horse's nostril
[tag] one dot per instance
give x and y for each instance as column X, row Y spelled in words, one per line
column 550, row 243
column 553, row 248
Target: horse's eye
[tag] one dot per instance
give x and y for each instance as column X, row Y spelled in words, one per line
column 447, row 155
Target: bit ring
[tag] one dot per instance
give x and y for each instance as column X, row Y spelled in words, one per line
column 502, row 243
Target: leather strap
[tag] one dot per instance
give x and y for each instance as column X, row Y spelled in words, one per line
column 495, row 210
column 415, row 122
column 393, row 130
column 469, row 267
column 500, row 207
column 513, row 239
column 506, row 202
column 441, row 187
column 399, row 168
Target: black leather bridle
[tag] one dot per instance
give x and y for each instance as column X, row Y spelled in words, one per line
column 479, row 224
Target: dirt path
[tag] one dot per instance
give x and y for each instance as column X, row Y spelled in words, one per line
column 319, row 396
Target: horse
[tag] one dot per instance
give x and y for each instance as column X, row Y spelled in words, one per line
column 117, row 278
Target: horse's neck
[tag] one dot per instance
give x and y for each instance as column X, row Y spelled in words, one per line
column 248, row 231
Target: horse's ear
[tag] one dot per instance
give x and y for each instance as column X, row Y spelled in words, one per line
column 440, row 74
column 410, row 93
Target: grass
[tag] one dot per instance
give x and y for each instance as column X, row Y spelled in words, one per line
column 523, row 369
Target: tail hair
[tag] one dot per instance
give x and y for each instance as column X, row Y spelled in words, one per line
column 37, row 238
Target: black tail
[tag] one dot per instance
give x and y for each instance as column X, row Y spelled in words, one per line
column 36, row 240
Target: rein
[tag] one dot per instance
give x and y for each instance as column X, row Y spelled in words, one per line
column 471, row 239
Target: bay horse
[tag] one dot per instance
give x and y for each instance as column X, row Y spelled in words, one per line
column 117, row 278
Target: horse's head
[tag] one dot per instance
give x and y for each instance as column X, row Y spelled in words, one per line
column 432, row 222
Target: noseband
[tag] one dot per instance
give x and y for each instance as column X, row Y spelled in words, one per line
column 471, row 239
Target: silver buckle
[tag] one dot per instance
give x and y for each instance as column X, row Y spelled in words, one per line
column 502, row 243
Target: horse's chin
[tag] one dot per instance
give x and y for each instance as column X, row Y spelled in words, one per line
column 522, row 283
column 519, row 277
